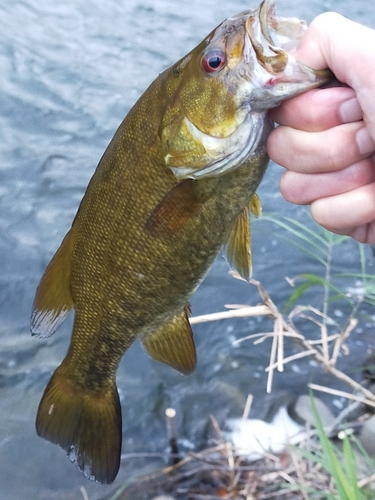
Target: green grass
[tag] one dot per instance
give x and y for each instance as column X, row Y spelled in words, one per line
column 340, row 464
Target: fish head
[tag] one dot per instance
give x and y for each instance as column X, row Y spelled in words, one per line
column 224, row 87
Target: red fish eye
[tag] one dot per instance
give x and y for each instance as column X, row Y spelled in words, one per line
column 213, row 61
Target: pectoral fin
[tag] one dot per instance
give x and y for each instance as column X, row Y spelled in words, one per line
column 173, row 344
column 238, row 247
column 175, row 210
column 53, row 299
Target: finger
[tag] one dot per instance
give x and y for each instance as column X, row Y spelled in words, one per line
column 346, row 48
column 364, row 233
column 319, row 109
column 349, row 210
column 330, row 150
column 303, row 189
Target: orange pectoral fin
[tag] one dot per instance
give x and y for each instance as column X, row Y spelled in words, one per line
column 53, row 299
column 175, row 210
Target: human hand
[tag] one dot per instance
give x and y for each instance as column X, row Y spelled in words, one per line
column 326, row 138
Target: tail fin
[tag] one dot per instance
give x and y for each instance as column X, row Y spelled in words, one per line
column 87, row 425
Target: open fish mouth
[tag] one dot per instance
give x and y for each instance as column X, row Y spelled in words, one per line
column 269, row 62
column 274, row 39
column 257, row 27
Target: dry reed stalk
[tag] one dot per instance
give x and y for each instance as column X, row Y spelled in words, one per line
column 234, row 313
column 284, row 329
column 343, row 394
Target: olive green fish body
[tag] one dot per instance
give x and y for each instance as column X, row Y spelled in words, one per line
column 125, row 280
column 176, row 183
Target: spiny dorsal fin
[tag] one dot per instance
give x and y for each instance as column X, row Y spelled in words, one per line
column 238, row 247
column 173, row 344
column 175, row 210
column 53, row 299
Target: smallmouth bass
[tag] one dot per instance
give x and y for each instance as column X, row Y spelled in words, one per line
column 176, row 183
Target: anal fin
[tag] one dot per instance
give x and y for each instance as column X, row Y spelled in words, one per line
column 53, row 299
column 173, row 344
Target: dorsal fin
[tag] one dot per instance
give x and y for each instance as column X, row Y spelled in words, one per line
column 238, row 247
column 53, row 299
column 173, row 344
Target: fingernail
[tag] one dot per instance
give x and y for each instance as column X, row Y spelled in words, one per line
column 350, row 111
column 365, row 142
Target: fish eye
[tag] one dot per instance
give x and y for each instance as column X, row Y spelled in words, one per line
column 213, row 61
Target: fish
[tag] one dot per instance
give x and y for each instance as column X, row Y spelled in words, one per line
column 176, row 184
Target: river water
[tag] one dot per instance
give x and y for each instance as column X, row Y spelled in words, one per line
column 70, row 71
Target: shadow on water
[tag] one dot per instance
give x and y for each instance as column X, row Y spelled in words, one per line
column 70, row 72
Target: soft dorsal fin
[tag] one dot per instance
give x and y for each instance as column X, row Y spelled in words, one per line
column 53, row 299
column 238, row 247
column 175, row 210
column 173, row 344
